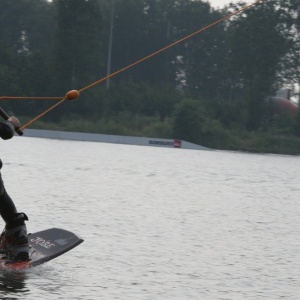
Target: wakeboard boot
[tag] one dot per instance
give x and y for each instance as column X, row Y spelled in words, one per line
column 14, row 239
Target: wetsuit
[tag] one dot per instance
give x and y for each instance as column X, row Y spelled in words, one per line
column 7, row 208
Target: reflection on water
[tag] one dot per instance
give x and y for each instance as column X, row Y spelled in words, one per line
column 13, row 283
column 157, row 223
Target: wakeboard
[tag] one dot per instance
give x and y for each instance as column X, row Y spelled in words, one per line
column 45, row 245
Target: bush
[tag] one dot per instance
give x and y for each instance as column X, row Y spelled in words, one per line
column 189, row 119
column 214, row 135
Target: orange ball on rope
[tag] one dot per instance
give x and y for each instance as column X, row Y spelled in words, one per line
column 72, row 95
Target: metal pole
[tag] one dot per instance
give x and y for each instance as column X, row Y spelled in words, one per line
column 112, row 14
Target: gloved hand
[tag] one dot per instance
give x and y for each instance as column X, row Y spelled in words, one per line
column 14, row 121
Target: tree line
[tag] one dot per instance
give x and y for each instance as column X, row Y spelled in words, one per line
column 201, row 90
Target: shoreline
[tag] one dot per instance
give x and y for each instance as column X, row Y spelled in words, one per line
column 113, row 139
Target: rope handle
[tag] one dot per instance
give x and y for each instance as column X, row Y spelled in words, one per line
column 5, row 116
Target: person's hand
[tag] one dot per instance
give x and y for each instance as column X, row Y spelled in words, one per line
column 14, row 121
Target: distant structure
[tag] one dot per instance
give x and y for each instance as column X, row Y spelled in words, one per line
column 281, row 106
column 282, row 103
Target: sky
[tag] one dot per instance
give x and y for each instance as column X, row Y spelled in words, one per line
column 222, row 3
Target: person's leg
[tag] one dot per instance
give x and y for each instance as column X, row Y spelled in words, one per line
column 7, row 207
column 13, row 240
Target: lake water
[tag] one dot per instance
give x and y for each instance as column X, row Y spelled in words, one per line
column 158, row 223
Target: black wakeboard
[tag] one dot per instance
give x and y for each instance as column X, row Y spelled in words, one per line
column 45, row 245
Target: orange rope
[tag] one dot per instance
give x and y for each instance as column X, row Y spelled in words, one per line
column 28, row 98
column 42, row 114
column 135, row 63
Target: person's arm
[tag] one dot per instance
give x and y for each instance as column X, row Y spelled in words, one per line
column 7, row 128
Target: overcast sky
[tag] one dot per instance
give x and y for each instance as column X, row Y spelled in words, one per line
column 221, row 3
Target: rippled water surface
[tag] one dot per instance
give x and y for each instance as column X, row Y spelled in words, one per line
column 157, row 223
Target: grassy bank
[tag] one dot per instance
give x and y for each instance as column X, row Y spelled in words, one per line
column 213, row 135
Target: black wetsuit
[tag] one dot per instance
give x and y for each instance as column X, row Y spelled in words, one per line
column 7, row 208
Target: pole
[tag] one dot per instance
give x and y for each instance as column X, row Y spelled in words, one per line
column 111, row 28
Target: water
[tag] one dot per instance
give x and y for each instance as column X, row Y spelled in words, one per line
column 158, row 223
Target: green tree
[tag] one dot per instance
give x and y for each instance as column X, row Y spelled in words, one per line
column 160, row 18
column 189, row 120
column 141, row 99
column 26, row 31
column 257, row 44
column 78, row 56
column 78, row 53
column 128, row 37
column 291, row 62
column 297, row 125
column 145, row 26
column 200, row 60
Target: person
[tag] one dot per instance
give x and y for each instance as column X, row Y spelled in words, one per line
column 14, row 239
